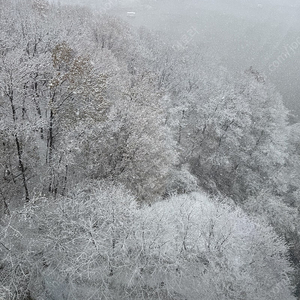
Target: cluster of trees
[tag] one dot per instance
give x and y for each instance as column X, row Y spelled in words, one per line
column 97, row 244
column 99, row 121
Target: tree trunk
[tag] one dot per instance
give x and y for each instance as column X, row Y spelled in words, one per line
column 21, row 166
column 19, row 148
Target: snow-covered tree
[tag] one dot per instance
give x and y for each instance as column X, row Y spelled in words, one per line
column 96, row 243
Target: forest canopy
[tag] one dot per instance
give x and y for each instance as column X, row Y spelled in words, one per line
column 131, row 169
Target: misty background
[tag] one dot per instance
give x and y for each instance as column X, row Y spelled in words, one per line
column 264, row 34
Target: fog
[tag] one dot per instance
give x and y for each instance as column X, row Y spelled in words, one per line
column 264, row 34
column 149, row 164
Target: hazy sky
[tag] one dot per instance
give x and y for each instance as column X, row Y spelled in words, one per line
column 264, row 34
